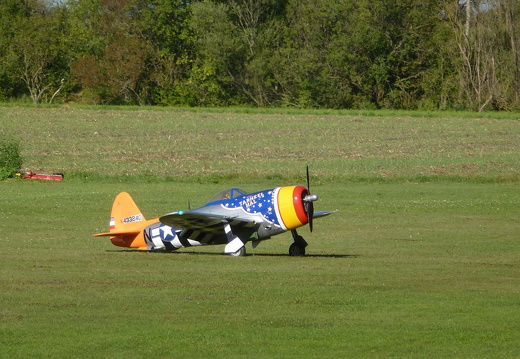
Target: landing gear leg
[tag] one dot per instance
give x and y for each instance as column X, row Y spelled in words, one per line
column 297, row 249
column 235, row 246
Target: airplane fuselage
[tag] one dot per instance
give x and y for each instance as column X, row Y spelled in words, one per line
column 232, row 217
column 254, row 217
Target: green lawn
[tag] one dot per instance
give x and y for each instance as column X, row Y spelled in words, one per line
column 198, row 144
column 414, row 265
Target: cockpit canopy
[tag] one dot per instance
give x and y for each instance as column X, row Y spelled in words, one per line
column 229, row 193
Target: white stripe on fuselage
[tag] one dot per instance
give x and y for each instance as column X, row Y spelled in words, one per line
column 277, row 210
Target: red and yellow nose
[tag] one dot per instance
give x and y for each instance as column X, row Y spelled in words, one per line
column 291, row 206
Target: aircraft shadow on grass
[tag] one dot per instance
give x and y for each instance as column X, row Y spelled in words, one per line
column 225, row 254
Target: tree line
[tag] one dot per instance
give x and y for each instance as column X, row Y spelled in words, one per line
column 393, row 54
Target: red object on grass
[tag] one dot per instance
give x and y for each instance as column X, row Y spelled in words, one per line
column 52, row 177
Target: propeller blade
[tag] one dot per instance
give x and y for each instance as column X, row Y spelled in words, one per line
column 308, row 180
column 309, row 199
column 310, row 214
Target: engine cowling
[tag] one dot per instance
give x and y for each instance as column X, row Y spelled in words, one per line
column 291, row 206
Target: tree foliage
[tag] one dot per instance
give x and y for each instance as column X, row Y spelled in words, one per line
column 314, row 53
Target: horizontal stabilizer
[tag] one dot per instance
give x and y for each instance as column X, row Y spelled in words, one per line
column 117, row 233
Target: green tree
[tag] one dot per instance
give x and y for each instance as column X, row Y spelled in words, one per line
column 351, row 54
column 38, row 51
column 486, row 35
column 235, row 43
column 114, row 65
column 218, row 54
column 316, row 54
column 11, row 13
column 398, row 48
column 312, row 53
column 164, row 25
column 33, row 52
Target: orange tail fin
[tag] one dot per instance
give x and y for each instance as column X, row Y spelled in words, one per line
column 126, row 223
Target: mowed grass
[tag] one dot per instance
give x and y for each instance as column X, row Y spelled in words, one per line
column 413, row 265
column 198, row 144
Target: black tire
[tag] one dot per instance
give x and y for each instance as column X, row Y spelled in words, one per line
column 296, row 250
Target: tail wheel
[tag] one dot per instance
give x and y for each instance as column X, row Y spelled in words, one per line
column 296, row 250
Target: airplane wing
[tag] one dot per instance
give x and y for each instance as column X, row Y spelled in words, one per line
column 207, row 228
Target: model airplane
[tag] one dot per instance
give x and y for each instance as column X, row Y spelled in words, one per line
column 232, row 217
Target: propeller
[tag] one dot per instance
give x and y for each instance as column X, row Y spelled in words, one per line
column 308, row 201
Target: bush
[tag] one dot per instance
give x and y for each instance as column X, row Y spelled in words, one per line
column 10, row 158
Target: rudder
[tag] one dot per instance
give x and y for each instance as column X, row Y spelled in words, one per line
column 126, row 222
column 125, row 214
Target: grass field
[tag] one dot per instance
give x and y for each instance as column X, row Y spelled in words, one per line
column 421, row 261
column 202, row 144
